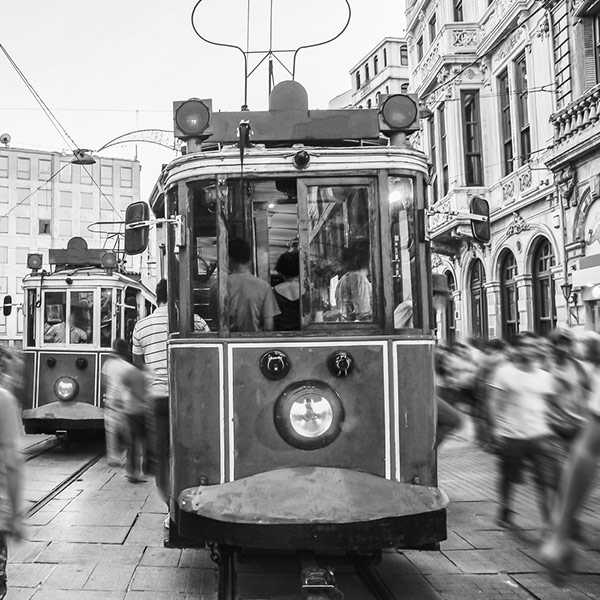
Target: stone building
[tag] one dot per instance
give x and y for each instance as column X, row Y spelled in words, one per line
column 486, row 72
column 45, row 200
column 575, row 153
column 384, row 70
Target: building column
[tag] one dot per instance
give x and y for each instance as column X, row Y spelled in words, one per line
column 525, row 302
column 493, row 310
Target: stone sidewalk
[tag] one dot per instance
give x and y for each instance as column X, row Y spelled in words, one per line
column 101, row 539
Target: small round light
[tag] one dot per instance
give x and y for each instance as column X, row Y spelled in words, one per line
column 274, row 365
column 192, row 117
column 81, row 363
column 108, row 260
column 66, row 388
column 34, row 261
column 301, row 160
column 309, row 415
column 340, row 363
column 399, row 111
column 51, row 362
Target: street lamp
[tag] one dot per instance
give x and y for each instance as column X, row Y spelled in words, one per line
column 571, row 299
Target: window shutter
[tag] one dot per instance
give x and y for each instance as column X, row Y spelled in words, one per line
column 589, row 54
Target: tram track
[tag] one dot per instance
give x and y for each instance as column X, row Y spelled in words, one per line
column 64, row 484
column 302, row 576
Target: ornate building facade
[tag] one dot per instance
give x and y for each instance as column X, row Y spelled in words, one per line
column 486, row 73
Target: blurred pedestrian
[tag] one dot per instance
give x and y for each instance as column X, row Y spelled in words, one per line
column 518, row 405
column 114, row 426
column 449, row 418
column 11, row 465
column 558, row 551
column 129, row 386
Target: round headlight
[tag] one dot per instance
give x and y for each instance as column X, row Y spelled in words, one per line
column 309, row 415
column 66, row 388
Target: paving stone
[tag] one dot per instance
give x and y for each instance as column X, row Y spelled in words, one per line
column 137, row 595
column 165, row 579
column 484, row 587
column 196, row 558
column 68, row 577
column 91, row 554
column 431, row 562
column 162, row 557
column 154, row 503
column 42, row 517
column 107, row 516
column 27, row 575
column 540, row 586
column 587, row 561
column 455, row 542
column 20, row 593
column 488, row 539
column 148, row 530
column 99, row 535
column 493, row 561
column 49, row 594
column 110, row 578
column 25, row 551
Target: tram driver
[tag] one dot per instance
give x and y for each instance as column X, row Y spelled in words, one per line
column 57, row 333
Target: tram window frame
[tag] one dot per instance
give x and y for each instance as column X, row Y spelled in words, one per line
column 307, row 320
column 31, row 321
column 63, row 313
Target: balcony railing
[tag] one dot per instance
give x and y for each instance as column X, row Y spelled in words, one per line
column 579, row 116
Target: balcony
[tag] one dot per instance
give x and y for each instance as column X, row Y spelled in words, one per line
column 576, row 129
column 448, row 230
column 501, row 15
column 456, row 43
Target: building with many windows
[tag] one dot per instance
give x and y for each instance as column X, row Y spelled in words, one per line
column 45, row 200
column 384, row 70
column 574, row 157
column 486, row 71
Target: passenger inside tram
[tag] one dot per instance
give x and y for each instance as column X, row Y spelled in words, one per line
column 287, row 293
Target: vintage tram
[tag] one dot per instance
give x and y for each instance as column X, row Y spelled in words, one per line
column 321, row 438
column 71, row 316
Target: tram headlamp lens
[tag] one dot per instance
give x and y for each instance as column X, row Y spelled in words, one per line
column 192, row 117
column 66, row 388
column 311, row 416
column 399, row 111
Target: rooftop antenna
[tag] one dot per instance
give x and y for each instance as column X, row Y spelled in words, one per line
column 270, row 54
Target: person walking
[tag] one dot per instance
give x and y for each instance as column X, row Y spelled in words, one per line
column 11, row 467
column 149, row 339
column 518, row 405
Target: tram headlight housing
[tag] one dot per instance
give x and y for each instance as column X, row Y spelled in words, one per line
column 191, row 119
column 309, row 415
column 398, row 112
column 66, row 388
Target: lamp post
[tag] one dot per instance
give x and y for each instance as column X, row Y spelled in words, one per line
column 566, row 289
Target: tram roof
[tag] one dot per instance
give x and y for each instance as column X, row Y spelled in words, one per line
column 260, row 161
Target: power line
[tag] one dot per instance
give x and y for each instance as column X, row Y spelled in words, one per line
column 55, row 122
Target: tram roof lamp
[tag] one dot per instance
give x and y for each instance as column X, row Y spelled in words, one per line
column 34, row 261
column 399, row 113
column 108, row 260
column 301, row 159
column 191, row 118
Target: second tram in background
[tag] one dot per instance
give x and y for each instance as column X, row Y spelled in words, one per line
column 72, row 315
column 320, row 438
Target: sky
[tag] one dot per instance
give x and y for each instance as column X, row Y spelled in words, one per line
column 110, row 67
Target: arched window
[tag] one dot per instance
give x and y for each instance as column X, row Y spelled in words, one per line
column 369, row 103
column 385, row 57
column 544, row 309
column 509, row 296
column 450, row 309
column 375, row 64
column 479, row 327
column 404, row 88
column 357, row 80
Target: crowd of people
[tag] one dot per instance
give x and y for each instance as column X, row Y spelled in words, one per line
column 535, row 403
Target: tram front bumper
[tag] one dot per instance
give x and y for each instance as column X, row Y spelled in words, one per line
column 64, row 415
column 314, row 508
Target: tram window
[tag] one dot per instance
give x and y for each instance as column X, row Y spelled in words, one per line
column 131, row 313
column 119, row 319
column 82, row 317
column 401, row 203
column 340, row 252
column 106, row 317
column 55, row 304
column 31, row 320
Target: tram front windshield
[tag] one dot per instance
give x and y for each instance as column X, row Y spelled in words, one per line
column 346, row 256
